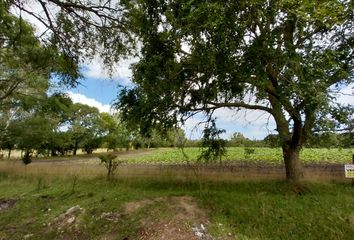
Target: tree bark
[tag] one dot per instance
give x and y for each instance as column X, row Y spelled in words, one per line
column 292, row 163
column 75, row 148
column 9, row 153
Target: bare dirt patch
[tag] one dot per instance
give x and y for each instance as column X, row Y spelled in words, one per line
column 167, row 230
column 7, row 203
column 183, row 220
column 67, row 224
column 132, row 207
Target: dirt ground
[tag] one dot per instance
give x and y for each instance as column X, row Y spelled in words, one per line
column 186, row 220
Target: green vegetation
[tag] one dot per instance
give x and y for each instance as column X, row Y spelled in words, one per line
column 244, row 210
column 264, row 155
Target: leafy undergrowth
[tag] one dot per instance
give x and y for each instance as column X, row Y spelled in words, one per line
column 64, row 208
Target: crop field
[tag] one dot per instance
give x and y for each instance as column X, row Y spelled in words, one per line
column 271, row 156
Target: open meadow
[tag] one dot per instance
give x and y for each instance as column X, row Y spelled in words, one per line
column 70, row 198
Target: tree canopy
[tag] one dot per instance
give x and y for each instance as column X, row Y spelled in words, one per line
column 283, row 57
column 80, row 29
column 26, row 64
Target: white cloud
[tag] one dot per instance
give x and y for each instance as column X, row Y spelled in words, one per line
column 35, row 8
column 80, row 98
column 193, row 128
column 121, row 71
column 345, row 95
column 252, row 124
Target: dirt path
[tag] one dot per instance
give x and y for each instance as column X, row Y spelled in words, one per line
column 91, row 157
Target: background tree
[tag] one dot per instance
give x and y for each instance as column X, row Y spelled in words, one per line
column 281, row 57
column 238, row 140
column 176, row 138
column 85, row 128
column 116, row 134
column 57, row 107
column 26, row 66
column 272, row 140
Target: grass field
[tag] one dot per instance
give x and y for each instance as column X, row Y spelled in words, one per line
column 264, row 155
column 71, row 199
column 146, row 209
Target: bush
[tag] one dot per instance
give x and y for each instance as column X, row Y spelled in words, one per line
column 111, row 162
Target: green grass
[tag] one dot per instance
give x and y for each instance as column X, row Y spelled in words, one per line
column 272, row 211
column 248, row 210
column 262, row 155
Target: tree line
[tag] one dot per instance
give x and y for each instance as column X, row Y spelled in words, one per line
column 54, row 126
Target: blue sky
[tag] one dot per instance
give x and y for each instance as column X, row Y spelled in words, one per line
column 104, row 91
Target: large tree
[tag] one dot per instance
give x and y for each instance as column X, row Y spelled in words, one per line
column 283, row 57
column 85, row 127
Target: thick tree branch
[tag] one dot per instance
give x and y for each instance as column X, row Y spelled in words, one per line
column 216, row 105
column 11, row 89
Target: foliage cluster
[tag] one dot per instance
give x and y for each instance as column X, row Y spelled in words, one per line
column 111, row 162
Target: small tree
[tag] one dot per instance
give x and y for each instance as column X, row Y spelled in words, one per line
column 111, row 162
column 27, row 158
column 213, row 147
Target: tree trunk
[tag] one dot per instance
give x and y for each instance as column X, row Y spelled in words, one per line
column 109, row 168
column 75, row 148
column 292, row 163
column 9, row 153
